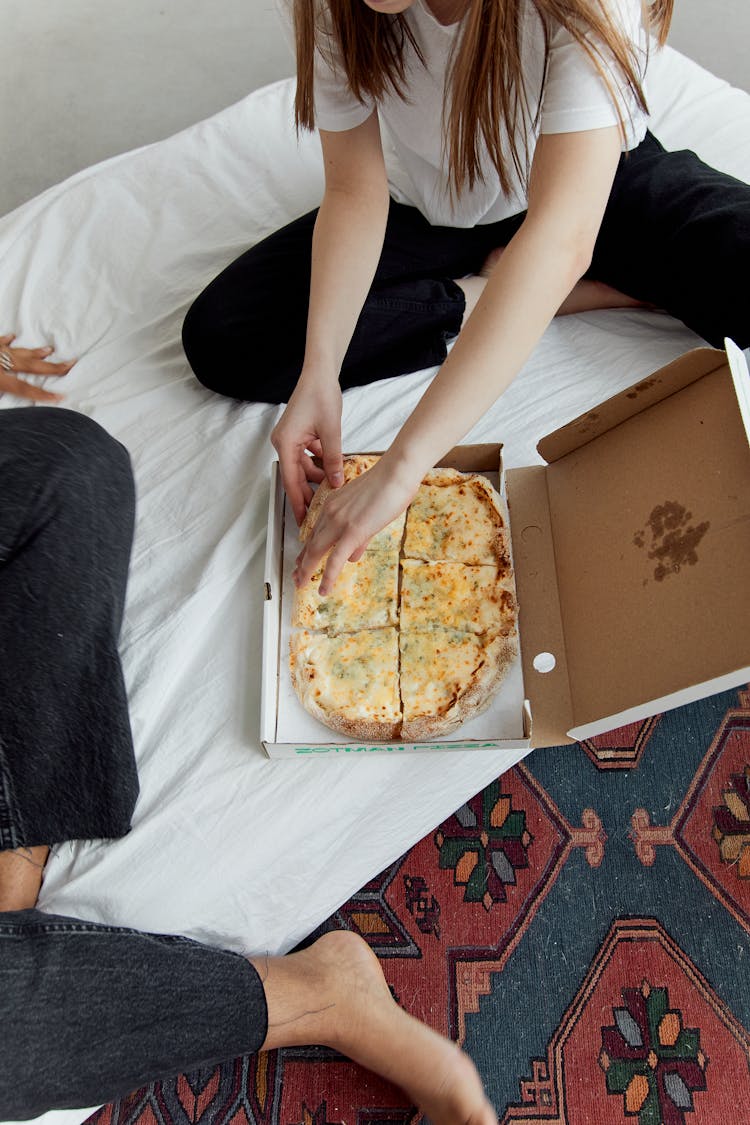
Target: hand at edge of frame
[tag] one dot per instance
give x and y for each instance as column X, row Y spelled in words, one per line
column 29, row 361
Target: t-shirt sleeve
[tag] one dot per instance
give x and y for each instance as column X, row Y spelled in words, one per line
column 336, row 107
column 576, row 96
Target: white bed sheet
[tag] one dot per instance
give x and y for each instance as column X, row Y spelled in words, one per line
column 227, row 847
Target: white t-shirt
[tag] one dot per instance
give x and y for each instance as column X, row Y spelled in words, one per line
column 574, row 98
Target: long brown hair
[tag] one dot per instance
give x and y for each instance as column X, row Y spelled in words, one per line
column 485, row 95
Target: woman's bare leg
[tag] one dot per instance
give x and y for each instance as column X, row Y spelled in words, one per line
column 334, row 993
column 21, row 873
column 584, row 296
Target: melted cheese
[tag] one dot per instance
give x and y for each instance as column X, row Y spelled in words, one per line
column 473, row 599
column 437, row 667
column 355, row 674
column 364, row 596
column 454, row 521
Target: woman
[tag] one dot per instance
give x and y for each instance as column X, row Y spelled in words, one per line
column 91, row 1012
column 541, row 147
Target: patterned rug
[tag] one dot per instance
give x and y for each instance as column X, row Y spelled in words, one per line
column 582, row 927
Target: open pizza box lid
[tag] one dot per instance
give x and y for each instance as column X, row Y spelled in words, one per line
column 632, row 551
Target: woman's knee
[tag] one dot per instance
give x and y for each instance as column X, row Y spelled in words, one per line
column 199, row 337
column 59, row 467
column 85, row 464
column 50, row 441
column 251, row 363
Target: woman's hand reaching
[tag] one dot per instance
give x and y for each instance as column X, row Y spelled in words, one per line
column 352, row 516
column 311, row 424
column 28, row 361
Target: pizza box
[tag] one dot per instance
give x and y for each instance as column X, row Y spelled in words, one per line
column 631, row 549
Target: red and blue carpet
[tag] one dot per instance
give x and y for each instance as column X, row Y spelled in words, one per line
column 582, row 927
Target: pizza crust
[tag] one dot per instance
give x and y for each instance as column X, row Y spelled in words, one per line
column 456, row 517
column 335, row 677
column 465, row 696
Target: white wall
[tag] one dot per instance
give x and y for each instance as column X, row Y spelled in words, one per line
column 84, row 79
column 81, row 80
column 716, row 33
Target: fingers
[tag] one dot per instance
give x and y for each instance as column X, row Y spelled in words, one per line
column 6, row 341
column 333, row 462
column 32, row 362
column 296, row 486
column 342, row 550
column 309, row 557
column 336, row 560
column 21, row 389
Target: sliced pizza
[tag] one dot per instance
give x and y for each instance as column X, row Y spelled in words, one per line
column 354, row 466
column 364, row 596
column 475, row 599
column 350, row 681
column 447, row 676
column 416, row 636
column 456, row 517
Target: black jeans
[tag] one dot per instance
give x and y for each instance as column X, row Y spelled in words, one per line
column 67, row 769
column 676, row 234
column 89, row 1013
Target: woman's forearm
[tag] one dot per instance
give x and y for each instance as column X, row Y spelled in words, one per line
column 533, row 277
column 347, row 242
column 525, row 290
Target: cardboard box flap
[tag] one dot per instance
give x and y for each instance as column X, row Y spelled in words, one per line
column 545, row 669
column 741, row 380
column 640, row 396
column 650, row 522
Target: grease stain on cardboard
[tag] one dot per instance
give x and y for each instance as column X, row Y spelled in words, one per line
column 673, row 538
column 639, row 388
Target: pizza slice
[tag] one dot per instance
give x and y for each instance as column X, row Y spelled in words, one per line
column 473, row 599
column 364, row 596
column 354, row 466
column 457, row 517
column 448, row 676
column 349, row 681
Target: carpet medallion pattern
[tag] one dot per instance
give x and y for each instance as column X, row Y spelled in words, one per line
column 582, row 927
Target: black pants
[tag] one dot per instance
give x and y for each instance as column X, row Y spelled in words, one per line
column 89, row 1013
column 676, row 234
column 67, row 769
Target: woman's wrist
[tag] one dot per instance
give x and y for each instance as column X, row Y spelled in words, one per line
column 318, row 372
column 407, row 466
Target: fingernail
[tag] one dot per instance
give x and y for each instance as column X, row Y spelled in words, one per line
column 337, row 479
column 48, row 350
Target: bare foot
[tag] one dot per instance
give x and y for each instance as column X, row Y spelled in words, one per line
column 21, row 874
column 334, row 993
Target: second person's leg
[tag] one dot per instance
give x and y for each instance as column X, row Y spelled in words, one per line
column 66, row 760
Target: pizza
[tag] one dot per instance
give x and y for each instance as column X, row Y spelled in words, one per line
column 417, row 636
